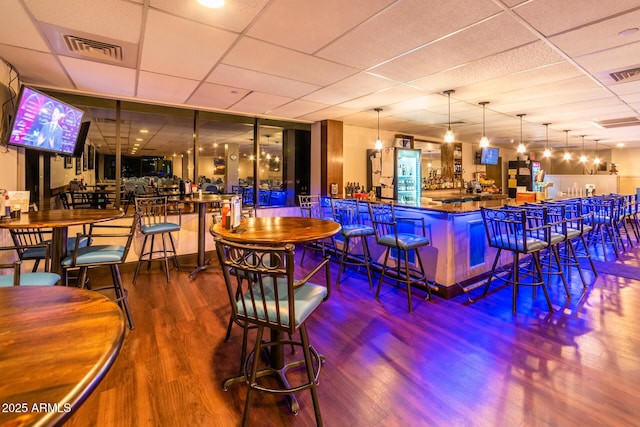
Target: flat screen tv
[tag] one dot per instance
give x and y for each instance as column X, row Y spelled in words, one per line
column 81, row 139
column 42, row 122
column 489, row 156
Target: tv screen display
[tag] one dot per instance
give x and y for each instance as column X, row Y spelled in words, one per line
column 489, row 156
column 42, row 122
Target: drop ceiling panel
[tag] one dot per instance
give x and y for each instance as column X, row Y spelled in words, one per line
column 387, row 96
column 616, row 59
column 181, row 52
column 552, row 17
column 285, row 22
column 122, row 21
column 352, row 87
column 209, row 95
column 260, row 82
column 296, row 109
column 490, row 37
column 603, row 35
column 95, row 77
column 329, row 113
column 391, row 33
column 37, row 67
column 267, row 58
column 160, row 87
column 14, row 16
column 260, row 103
column 234, row 16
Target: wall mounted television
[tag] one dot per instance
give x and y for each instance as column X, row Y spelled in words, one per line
column 42, row 122
column 489, row 156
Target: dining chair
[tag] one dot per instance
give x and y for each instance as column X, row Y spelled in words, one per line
column 114, row 238
column 398, row 234
column 34, row 278
column 152, row 211
column 349, row 214
column 275, row 300
column 31, row 244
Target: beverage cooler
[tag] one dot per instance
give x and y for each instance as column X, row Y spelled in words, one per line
column 400, row 175
column 522, row 174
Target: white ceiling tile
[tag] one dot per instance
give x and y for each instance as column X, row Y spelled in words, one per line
column 183, row 56
column 552, row 16
column 391, row 33
column 490, row 37
column 37, row 67
column 381, row 98
column 17, row 28
column 260, row 103
column 91, row 77
column 309, row 35
column 210, row 95
column 296, row 109
column 329, row 113
column 353, row 86
column 159, row 87
column 260, row 82
column 260, row 56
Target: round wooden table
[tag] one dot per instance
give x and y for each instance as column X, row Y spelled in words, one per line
column 278, row 229
column 59, row 221
column 56, row 344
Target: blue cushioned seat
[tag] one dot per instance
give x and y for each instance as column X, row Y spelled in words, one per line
column 95, row 254
column 32, row 279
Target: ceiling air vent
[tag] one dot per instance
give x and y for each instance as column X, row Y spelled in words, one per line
column 625, row 75
column 93, row 48
column 618, row 123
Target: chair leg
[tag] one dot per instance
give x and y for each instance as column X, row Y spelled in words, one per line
column 166, row 258
column 175, row 253
column 516, row 278
column 252, row 377
column 121, row 294
column 588, row 255
column 367, row 260
column 341, row 265
column 310, row 373
column 493, row 272
column 150, row 253
column 144, row 245
column 408, row 274
column 384, row 268
column 536, row 261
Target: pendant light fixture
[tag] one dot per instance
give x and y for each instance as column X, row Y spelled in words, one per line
column 484, row 141
column 521, row 147
column 567, row 155
column 378, row 145
column 449, row 137
column 596, row 159
column 429, row 164
column 583, row 157
column 547, row 150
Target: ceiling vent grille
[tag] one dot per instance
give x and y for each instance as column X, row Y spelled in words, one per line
column 618, row 123
column 93, row 48
column 624, row 75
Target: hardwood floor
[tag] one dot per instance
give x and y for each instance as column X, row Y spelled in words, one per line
column 449, row 363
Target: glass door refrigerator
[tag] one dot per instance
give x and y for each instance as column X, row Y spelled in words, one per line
column 408, row 167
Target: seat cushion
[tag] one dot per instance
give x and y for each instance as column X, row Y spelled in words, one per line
column 516, row 243
column 356, row 230
column 31, row 279
column 39, row 252
column 307, row 298
column 405, row 241
column 557, row 238
column 164, row 227
column 96, row 254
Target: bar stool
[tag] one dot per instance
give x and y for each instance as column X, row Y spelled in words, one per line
column 311, row 207
column 511, row 230
column 603, row 219
column 399, row 234
column 348, row 214
column 152, row 211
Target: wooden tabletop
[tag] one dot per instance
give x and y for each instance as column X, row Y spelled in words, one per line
column 61, row 218
column 205, row 198
column 56, row 344
column 278, row 229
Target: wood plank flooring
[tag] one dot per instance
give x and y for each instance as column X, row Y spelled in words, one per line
column 449, row 363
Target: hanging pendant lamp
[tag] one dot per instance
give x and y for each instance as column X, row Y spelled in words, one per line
column 521, row 147
column 567, row 155
column 378, row 145
column 484, row 141
column 596, row 159
column 583, row 157
column 449, row 137
column 547, row 150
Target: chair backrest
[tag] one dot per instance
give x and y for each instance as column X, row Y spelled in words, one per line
column 34, row 278
column 310, row 206
column 347, row 211
column 213, row 189
column 512, row 229
column 268, row 298
column 64, row 199
column 23, row 238
column 382, row 216
column 151, row 209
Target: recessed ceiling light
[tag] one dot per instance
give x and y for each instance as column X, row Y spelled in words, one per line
column 136, row 145
column 138, row 139
column 620, row 144
column 628, row 32
column 144, row 130
column 213, row 4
